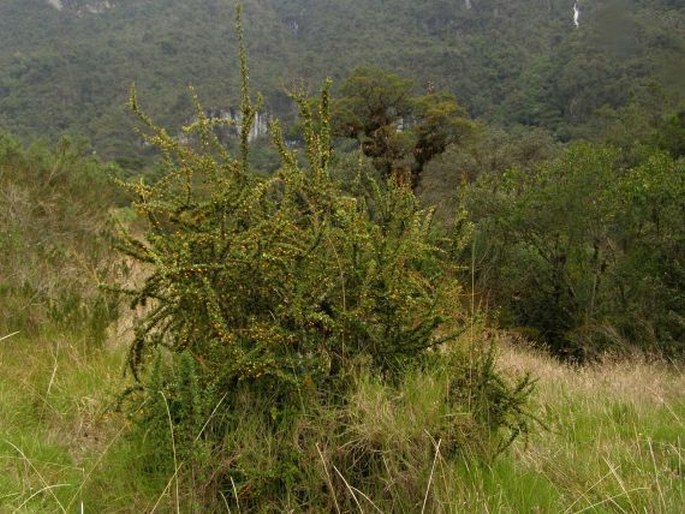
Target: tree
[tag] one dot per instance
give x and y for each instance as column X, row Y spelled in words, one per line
column 399, row 131
column 441, row 121
column 581, row 250
column 545, row 231
column 672, row 134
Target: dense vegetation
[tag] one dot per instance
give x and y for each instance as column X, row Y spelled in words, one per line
column 53, row 234
column 517, row 61
column 290, row 292
column 585, row 251
column 345, row 321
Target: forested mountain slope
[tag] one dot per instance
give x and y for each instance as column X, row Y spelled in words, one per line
column 67, row 65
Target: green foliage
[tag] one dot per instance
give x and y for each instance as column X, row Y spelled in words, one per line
column 441, row 122
column 400, row 132
column 649, row 277
column 281, row 278
column 494, row 402
column 266, row 298
column 583, row 250
column 377, row 440
column 510, row 62
column 488, row 151
column 372, row 98
column 373, row 104
column 399, row 445
column 672, row 135
column 288, row 351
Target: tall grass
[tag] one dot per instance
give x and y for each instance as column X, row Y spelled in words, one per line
column 54, row 426
column 614, row 444
column 615, row 438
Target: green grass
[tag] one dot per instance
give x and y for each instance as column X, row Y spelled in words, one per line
column 614, row 441
column 55, row 427
column 615, row 438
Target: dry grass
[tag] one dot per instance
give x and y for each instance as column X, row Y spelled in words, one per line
column 615, row 438
column 614, row 442
column 636, row 379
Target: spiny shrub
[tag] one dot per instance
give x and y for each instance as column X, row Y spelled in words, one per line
column 262, row 297
column 280, row 281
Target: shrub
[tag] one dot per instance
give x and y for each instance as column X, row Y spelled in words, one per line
column 264, row 298
column 54, row 228
column 583, row 250
column 283, row 279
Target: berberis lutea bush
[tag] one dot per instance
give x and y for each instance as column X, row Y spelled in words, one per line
column 268, row 300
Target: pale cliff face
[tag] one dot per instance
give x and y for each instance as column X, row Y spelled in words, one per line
column 82, row 6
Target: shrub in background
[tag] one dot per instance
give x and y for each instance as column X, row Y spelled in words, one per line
column 583, row 250
column 54, row 226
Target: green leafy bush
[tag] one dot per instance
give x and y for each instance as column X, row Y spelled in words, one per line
column 582, row 251
column 266, row 299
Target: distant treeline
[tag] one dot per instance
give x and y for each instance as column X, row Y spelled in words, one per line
column 507, row 62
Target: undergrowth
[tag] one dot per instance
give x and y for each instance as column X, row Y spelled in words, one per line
column 55, row 239
column 614, row 442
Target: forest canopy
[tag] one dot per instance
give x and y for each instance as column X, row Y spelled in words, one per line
column 521, row 62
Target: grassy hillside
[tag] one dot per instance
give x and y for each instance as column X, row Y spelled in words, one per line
column 613, row 443
column 313, row 339
column 519, row 61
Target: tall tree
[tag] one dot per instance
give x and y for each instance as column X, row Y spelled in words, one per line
column 401, row 132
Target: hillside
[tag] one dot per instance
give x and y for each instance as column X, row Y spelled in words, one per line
column 454, row 284
column 69, row 69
